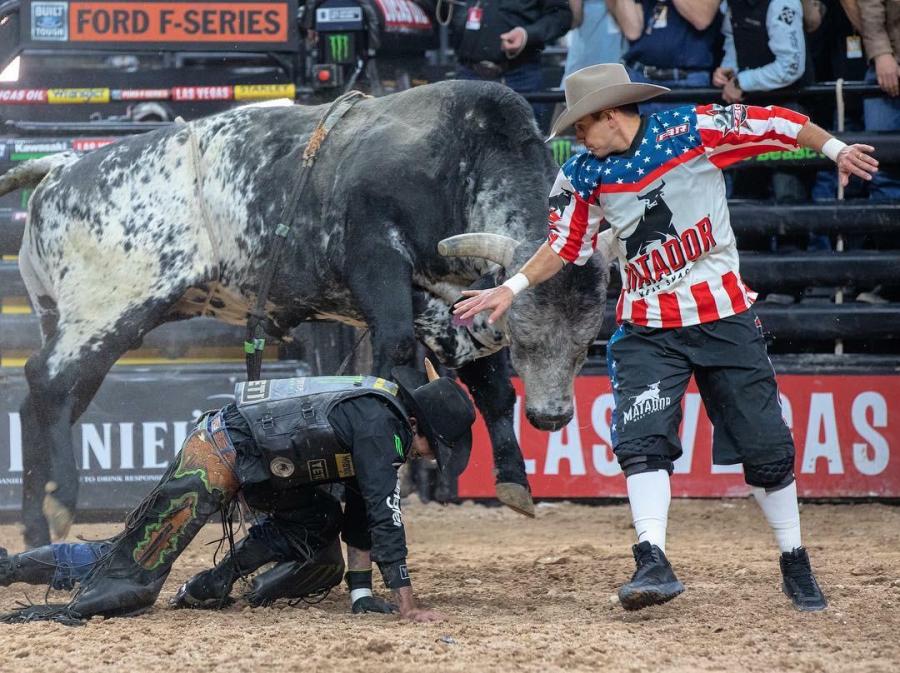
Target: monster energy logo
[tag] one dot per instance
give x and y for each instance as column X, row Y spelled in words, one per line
column 339, row 45
column 562, row 150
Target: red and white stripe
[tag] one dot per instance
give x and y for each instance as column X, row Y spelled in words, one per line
column 687, row 305
column 764, row 129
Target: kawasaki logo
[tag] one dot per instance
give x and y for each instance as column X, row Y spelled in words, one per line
column 562, row 150
column 339, row 44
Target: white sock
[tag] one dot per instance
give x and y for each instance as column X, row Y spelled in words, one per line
column 783, row 514
column 649, row 494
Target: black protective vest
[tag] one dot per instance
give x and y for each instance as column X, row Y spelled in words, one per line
column 751, row 37
column 289, row 422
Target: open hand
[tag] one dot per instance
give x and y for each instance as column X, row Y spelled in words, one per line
column 856, row 160
column 496, row 300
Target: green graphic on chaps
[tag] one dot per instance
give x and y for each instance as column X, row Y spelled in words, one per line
column 199, row 459
column 161, row 538
column 398, row 445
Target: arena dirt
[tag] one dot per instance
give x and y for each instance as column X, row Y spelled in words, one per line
column 525, row 595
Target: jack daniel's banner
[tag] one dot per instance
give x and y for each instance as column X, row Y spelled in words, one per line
column 131, row 432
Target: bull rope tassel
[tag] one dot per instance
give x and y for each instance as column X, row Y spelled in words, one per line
column 256, row 340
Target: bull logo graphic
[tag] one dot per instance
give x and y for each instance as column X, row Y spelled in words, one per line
column 651, row 394
column 655, row 225
column 559, row 202
column 731, row 119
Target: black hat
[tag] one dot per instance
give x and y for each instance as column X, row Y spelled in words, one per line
column 444, row 413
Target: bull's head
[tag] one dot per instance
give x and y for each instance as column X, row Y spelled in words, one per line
column 550, row 327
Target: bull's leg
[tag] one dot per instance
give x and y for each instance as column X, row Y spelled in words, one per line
column 488, row 380
column 383, row 292
column 63, row 378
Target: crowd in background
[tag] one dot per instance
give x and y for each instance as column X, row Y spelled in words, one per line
column 740, row 47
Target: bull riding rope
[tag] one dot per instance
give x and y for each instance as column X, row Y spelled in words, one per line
column 256, row 342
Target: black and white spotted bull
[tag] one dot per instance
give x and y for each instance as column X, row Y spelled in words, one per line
column 147, row 230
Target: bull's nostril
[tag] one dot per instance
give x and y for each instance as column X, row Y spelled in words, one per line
column 548, row 422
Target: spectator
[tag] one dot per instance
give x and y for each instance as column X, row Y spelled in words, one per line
column 502, row 41
column 764, row 47
column 765, row 50
column 597, row 38
column 880, row 21
column 671, row 42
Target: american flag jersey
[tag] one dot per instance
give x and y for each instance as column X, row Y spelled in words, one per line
column 664, row 202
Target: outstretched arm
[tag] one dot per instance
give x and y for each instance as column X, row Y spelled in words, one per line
column 730, row 134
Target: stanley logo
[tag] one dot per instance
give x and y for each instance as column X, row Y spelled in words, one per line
column 339, row 45
column 562, row 150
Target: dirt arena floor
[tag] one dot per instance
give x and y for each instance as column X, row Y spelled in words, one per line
column 530, row 596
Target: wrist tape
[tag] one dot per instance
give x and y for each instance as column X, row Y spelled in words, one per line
column 832, row 148
column 360, row 584
column 517, row 283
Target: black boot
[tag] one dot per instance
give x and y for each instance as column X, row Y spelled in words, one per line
column 299, row 579
column 211, row 589
column 35, row 566
column 798, row 582
column 130, row 575
column 653, row 582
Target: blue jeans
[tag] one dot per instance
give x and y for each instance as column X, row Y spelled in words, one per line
column 691, row 80
column 882, row 114
column 525, row 78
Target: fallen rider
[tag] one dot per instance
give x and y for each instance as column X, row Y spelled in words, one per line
column 275, row 446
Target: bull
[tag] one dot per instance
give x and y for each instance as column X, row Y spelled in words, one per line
column 182, row 221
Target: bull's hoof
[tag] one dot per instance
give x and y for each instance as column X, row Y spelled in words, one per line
column 59, row 517
column 516, row 497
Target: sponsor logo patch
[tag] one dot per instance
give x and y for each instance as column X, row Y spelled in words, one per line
column 648, row 402
column 49, row 21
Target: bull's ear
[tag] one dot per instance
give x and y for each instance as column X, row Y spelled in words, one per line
column 493, row 247
column 606, row 245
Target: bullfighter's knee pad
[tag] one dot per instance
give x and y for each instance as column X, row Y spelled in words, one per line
column 770, row 476
column 130, row 575
column 299, row 579
column 644, row 454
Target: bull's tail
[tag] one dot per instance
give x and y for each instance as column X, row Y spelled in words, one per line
column 30, row 173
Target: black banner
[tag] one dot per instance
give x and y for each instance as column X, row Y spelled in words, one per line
column 131, row 431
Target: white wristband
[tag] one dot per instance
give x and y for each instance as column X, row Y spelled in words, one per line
column 356, row 594
column 517, row 283
column 832, row 148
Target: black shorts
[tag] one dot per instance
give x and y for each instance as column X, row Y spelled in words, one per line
column 650, row 370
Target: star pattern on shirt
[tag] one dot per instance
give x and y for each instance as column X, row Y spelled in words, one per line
column 586, row 171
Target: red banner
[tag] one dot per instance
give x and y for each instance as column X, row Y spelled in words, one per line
column 846, row 430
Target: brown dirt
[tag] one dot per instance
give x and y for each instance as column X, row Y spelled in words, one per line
column 537, row 596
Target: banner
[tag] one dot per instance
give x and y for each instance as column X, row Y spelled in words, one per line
column 846, row 430
column 103, row 95
column 131, row 431
column 250, row 25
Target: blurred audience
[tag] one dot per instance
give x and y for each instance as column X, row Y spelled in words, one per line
column 880, row 25
column 671, row 42
column 764, row 50
column 502, row 41
column 596, row 37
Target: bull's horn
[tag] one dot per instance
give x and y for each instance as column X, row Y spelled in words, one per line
column 430, row 371
column 494, row 247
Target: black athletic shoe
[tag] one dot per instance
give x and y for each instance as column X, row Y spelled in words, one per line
column 653, row 582
column 6, row 569
column 799, row 584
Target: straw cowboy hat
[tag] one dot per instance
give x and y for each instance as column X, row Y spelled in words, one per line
column 600, row 87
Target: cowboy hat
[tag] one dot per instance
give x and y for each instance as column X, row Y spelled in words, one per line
column 600, row 87
column 444, row 413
